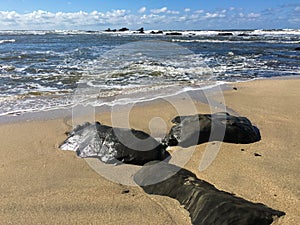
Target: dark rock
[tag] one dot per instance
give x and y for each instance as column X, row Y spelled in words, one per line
column 234, row 88
column 174, row 33
column 123, row 29
column 256, row 154
column 158, row 32
column 141, row 30
column 109, row 30
column 225, row 34
column 112, row 145
column 205, row 203
column 243, row 35
column 197, row 129
column 297, row 49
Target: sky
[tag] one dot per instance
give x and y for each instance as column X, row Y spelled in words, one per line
column 150, row 14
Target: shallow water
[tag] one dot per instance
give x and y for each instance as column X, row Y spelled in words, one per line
column 53, row 69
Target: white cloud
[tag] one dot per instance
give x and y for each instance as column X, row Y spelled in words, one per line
column 161, row 10
column 181, row 19
column 253, row 15
column 173, row 12
column 161, row 18
column 199, row 11
column 214, row 15
column 61, row 20
column 142, row 10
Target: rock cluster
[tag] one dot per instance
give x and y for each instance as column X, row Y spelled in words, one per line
column 205, row 203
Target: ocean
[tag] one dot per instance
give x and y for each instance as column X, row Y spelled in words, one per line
column 44, row 70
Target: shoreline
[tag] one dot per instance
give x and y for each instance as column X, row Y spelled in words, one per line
column 61, row 112
column 43, row 184
column 107, row 106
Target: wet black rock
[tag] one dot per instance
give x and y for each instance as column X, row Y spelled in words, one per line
column 114, row 145
column 141, row 30
column 174, row 33
column 124, row 29
column 205, row 203
column 243, row 35
column 156, row 32
column 109, row 30
column 297, row 49
column 197, row 129
column 225, row 34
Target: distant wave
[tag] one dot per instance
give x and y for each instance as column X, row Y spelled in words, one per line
column 7, row 41
column 234, row 40
column 276, row 32
column 47, row 32
column 148, row 32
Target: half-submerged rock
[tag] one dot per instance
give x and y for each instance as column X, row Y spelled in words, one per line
column 197, row 129
column 114, row 145
column 205, row 203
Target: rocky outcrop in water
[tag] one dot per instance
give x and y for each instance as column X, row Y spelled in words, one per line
column 123, row 29
column 197, row 129
column 156, row 32
column 141, row 30
column 174, row 33
column 205, row 203
column 114, row 145
column 225, row 34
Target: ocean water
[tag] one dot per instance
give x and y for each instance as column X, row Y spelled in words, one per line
column 42, row 70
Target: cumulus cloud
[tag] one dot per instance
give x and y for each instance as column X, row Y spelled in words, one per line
column 241, row 14
column 161, row 18
column 214, row 15
column 161, row 10
column 253, row 15
column 142, row 10
column 60, row 20
column 199, row 11
column 173, row 12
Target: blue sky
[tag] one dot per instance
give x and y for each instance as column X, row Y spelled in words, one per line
column 150, row 14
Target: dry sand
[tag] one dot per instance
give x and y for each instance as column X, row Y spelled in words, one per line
column 41, row 184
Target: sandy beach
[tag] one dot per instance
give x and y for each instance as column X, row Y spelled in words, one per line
column 40, row 184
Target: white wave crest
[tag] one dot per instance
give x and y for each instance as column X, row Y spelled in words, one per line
column 7, row 41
